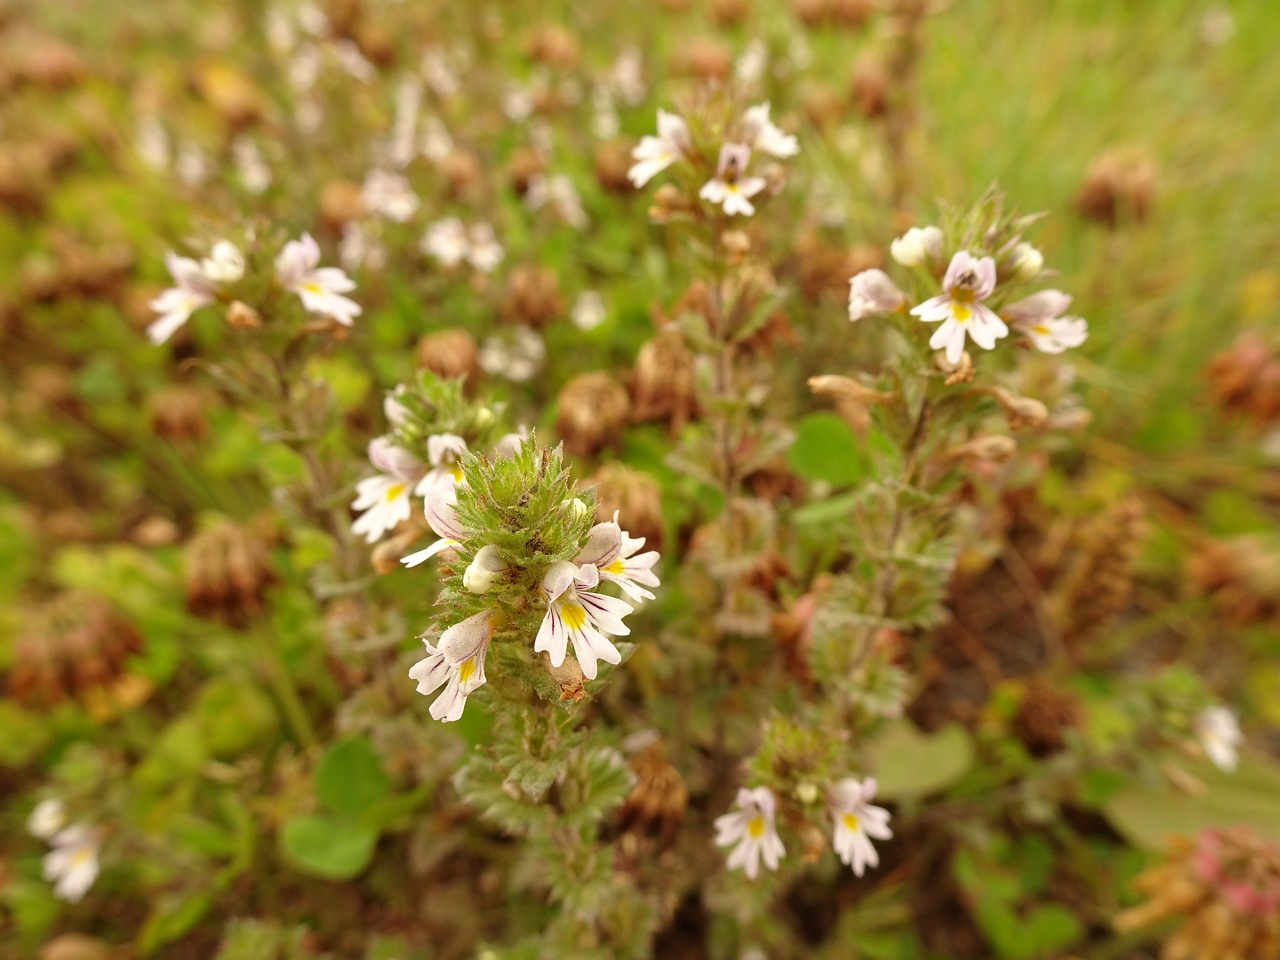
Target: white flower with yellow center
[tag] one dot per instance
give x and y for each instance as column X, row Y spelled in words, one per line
column 1219, row 733
column 761, row 133
column 654, row 154
column 731, row 187
column 444, row 450
column 384, row 498
column 752, row 829
column 72, row 864
column 872, row 292
column 319, row 288
column 1040, row 317
column 457, row 664
column 611, row 550
column 856, row 822
column 192, row 290
column 439, row 503
column 967, row 283
column 576, row 613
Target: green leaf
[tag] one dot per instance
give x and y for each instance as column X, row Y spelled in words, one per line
column 350, row 778
column 1147, row 814
column 235, row 716
column 909, row 763
column 825, row 448
column 171, row 918
column 22, row 735
column 328, row 847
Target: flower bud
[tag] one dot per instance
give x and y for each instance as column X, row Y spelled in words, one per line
column 807, row 793
column 574, row 506
column 917, row 247
column 1025, row 262
column 241, row 316
column 1021, row 411
column 484, row 570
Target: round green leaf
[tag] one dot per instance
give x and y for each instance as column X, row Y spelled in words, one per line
column 909, row 763
column 328, row 847
column 1147, row 815
column 825, row 448
column 350, row 778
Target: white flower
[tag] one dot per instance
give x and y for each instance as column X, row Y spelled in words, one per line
column 224, row 263
column 967, row 283
column 750, row 67
column 856, row 822
column 753, row 829
column 655, row 154
column 191, row 291
column 1219, row 734
column 610, row 549
column 439, row 503
column 918, row 246
column 444, row 450
column 388, row 194
column 484, row 252
column 761, row 133
column 729, row 186
column 560, row 194
column 47, row 818
column 436, row 143
column 1040, row 317
column 517, row 357
column 152, row 143
column 192, row 167
column 871, row 291
column 446, row 241
column 320, row 288
column 439, row 75
column 588, row 310
column 253, row 170
column 483, row 570
column 457, row 664
column 509, row 444
column 1026, row 262
column 575, row 613
column 72, row 864
column 385, row 498
column 353, row 61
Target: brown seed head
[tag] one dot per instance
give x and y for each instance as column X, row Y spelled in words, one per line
column 1118, row 187
column 177, row 413
column 228, row 572
column 613, row 160
column 636, row 497
column 533, row 296
column 662, row 383
column 449, row 354
column 341, row 202
column 593, row 411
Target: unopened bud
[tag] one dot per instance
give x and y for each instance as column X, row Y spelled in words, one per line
column 483, row 572
column 959, row 372
column 992, row 447
column 241, row 316
column 483, row 418
column 1025, row 262
column 735, row 242
column 845, row 388
column 575, row 507
column 1021, row 411
column 807, row 793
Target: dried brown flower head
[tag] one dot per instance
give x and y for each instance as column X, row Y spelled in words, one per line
column 703, row 58
column 449, row 354
column 341, row 202
column 1245, row 378
column 554, row 45
column 730, row 13
column 228, row 572
column 1241, row 575
column 662, row 383
column 593, row 410
column 525, row 164
column 49, row 62
column 75, row 644
column 1225, row 887
column 637, row 498
column 533, row 296
column 1044, row 715
column 230, row 92
column 1098, row 582
column 1118, row 187
column 657, row 803
column 869, row 86
column 177, row 413
column 613, row 160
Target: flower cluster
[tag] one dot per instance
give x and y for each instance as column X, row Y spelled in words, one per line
column 732, row 186
column 297, row 269
column 752, row 829
column 1219, row 733
column 528, row 552
column 72, row 863
column 430, row 424
column 450, row 242
column 971, row 285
